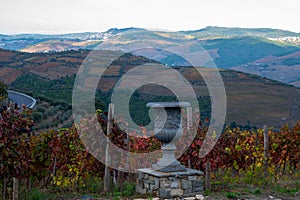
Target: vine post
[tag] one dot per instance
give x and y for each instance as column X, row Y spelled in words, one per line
column 15, row 189
column 207, row 175
column 107, row 176
column 5, row 179
column 266, row 149
column 189, row 111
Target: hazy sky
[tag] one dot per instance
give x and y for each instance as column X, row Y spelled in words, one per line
column 63, row 16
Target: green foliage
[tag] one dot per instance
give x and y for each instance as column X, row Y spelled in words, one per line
column 256, row 191
column 290, row 191
column 128, row 189
column 37, row 116
column 36, row 194
column 3, row 91
column 54, row 99
column 207, row 192
column 58, row 91
column 92, row 184
column 117, row 195
column 232, row 195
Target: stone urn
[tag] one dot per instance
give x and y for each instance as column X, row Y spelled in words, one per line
column 168, row 129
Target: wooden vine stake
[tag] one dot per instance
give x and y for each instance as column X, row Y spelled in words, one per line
column 15, row 189
column 107, row 176
column 207, row 176
column 266, row 149
column 189, row 111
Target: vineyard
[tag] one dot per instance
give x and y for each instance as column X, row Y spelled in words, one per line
column 56, row 161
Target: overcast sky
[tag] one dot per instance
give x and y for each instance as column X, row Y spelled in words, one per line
column 65, row 16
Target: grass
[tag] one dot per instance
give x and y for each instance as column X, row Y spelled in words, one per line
column 128, row 190
column 41, row 194
column 35, row 194
column 256, row 191
column 289, row 191
column 232, row 195
column 225, row 185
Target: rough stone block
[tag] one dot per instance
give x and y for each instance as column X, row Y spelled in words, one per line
column 175, row 184
column 186, row 184
column 141, row 190
column 140, row 175
column 188, row 192
column 156, row 182
column 189, row 198
column 149, row 181
column 197, row 186
column 192, row 178
column 164, row 193
column 199, row 197
column 140, row 182
column 153, row 187
column 165, row 184
column 176, row 192
column 146, row 185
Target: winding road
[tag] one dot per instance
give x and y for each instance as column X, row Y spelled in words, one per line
column 21, row 99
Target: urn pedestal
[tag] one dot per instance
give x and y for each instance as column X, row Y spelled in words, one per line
column 168, row 179
column 168, row 130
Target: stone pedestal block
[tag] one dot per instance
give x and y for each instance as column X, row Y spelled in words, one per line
column 167, row 185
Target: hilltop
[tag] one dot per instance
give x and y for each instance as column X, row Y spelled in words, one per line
column 223, row 32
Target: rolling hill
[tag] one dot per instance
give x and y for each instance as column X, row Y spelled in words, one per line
column 281, row 68
column 241, row 49
column 49, row 78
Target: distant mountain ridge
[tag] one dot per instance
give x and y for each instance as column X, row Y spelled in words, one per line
column 214, row 31
column 78, row 36
column 242, row 49
column 211, row 31
column 89, row 40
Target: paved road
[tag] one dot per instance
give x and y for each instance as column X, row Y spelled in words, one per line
column 21, row 99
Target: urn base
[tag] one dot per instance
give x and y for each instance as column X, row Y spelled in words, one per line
column 174, row 167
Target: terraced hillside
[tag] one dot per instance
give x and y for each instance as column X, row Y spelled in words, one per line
column 49, row 78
